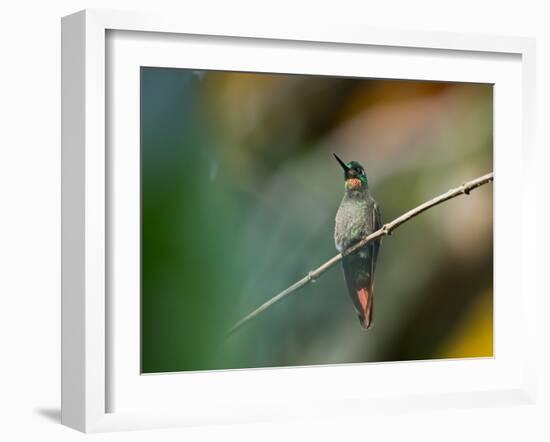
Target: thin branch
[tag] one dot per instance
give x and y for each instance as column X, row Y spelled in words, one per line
column 386, row 229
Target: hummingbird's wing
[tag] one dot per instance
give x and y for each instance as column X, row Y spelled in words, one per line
column 359, row 273
column 377, row 223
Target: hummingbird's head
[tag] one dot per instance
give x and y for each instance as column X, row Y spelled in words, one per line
column 354, row 174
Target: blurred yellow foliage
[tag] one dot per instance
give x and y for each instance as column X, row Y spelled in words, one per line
column 473, row 336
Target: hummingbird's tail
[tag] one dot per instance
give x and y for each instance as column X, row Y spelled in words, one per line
column 366, row 299
column 359, row 273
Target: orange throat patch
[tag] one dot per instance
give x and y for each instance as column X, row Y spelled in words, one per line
column 353, row 183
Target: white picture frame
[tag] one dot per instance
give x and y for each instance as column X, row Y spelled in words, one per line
column 87, row 355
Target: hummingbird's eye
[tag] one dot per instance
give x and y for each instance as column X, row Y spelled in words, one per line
column 360, row 171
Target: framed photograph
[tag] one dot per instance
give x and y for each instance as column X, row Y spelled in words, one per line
column 264, row 223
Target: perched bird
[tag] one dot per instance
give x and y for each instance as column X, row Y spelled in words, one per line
column 358, row 216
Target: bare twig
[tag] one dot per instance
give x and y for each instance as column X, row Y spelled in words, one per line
column 386, row 229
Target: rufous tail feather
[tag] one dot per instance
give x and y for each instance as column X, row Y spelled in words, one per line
column 365, row 297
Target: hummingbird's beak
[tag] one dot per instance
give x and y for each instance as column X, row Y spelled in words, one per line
column 344, row 166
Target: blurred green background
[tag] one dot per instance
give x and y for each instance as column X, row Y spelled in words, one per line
column 239, row 194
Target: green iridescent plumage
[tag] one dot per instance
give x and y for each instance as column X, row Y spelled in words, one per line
column 357, row 217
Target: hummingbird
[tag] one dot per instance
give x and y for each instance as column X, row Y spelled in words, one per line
column 358, row 216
